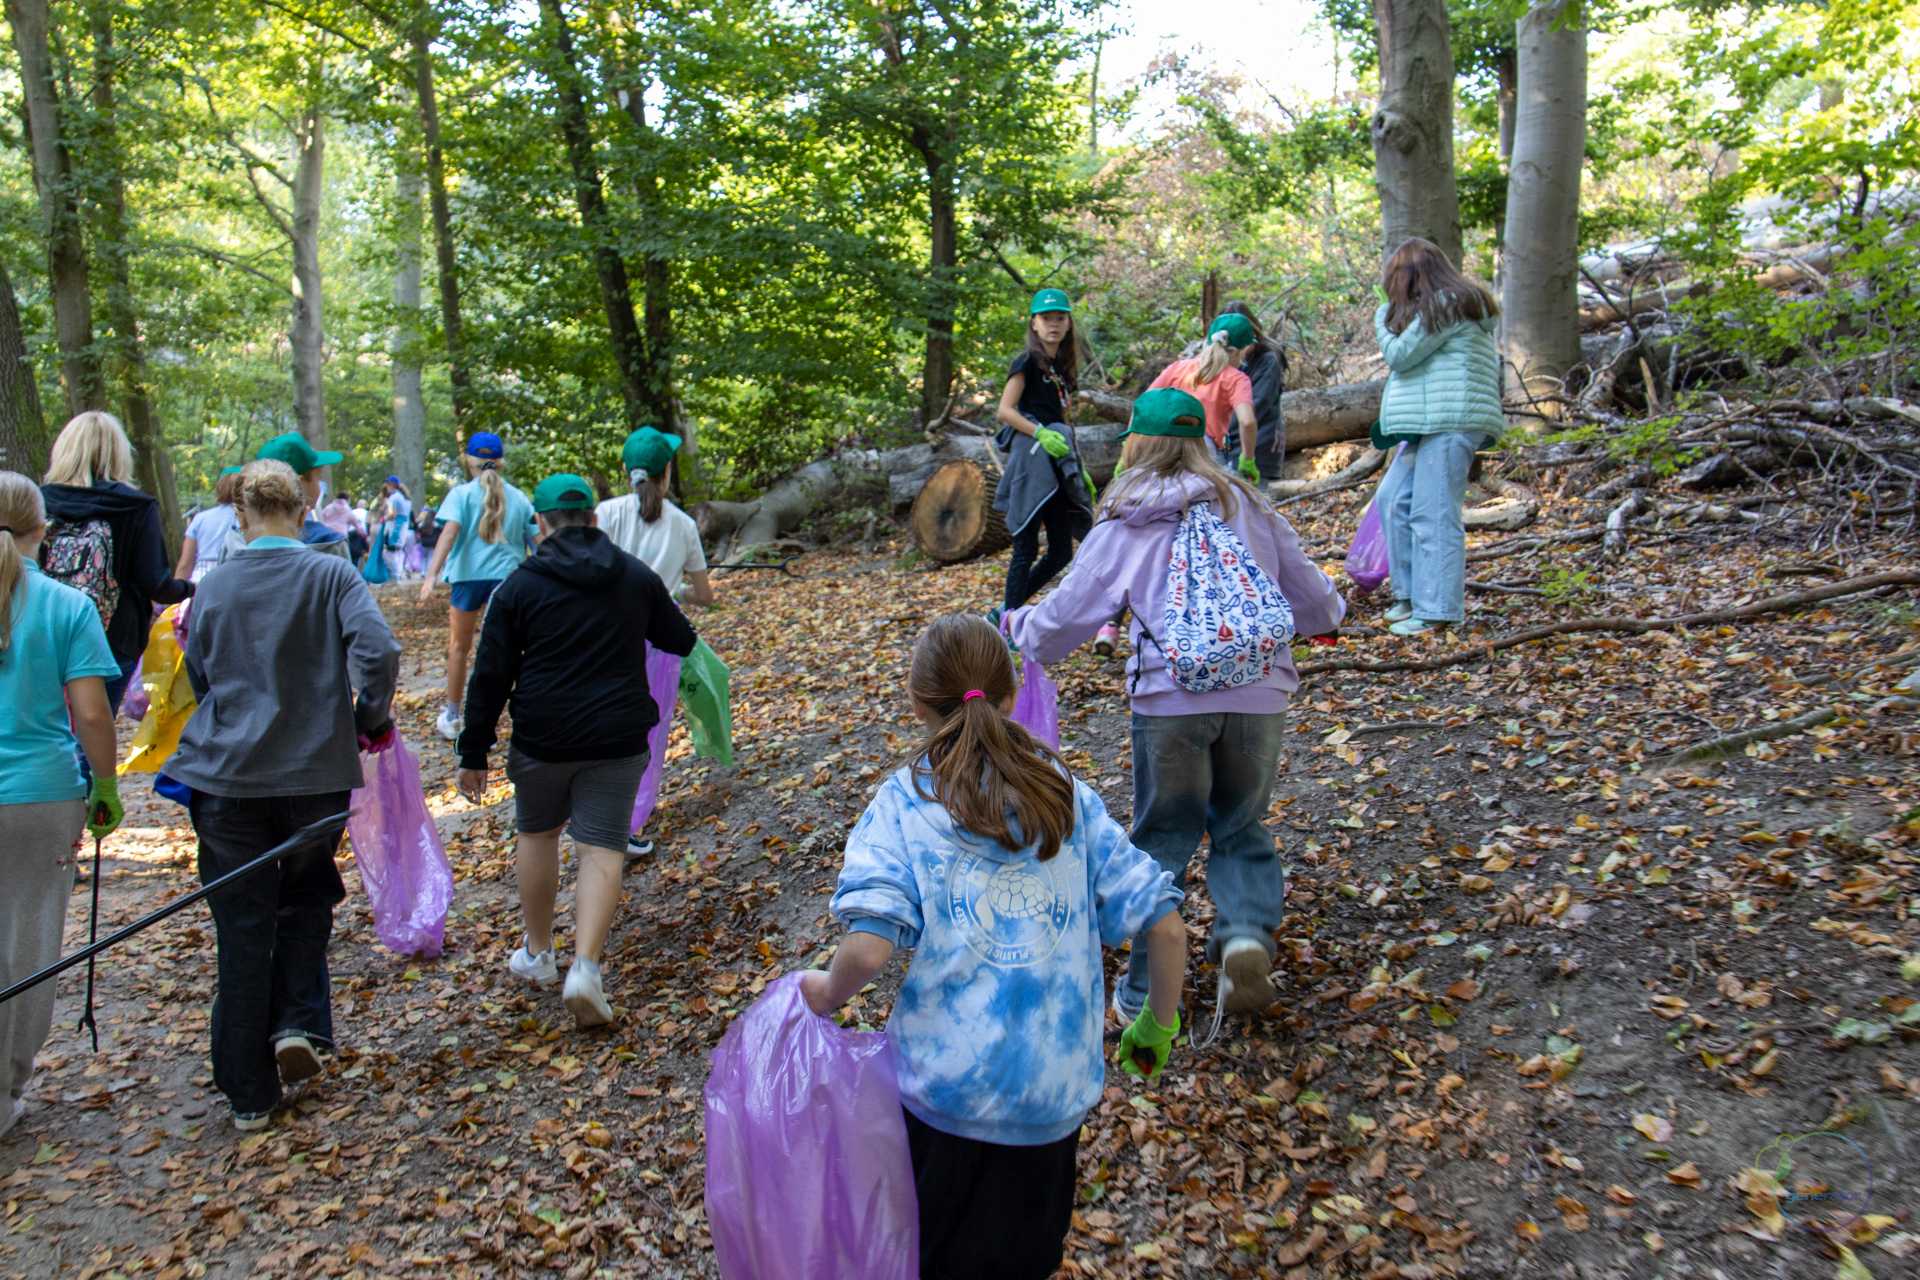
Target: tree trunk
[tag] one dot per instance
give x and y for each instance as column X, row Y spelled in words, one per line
column 409, row 409
column 150, row 468
column 1541, row 270
column 1505, row 95
column 442, row 226
column 304, row 336
column 59, row 208
column 24, row 439
column 656, row 277
column 936, row 380
column 615, row 292
column 1413, row 129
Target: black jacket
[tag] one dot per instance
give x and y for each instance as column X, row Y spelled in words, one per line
column 139, row 555
column 565, row 642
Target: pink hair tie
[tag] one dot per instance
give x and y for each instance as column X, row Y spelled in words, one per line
column 971, row 694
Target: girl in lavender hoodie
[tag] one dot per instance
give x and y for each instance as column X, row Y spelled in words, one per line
column 1203, row 763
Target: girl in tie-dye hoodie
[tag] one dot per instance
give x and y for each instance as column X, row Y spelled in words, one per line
column 1005, row 875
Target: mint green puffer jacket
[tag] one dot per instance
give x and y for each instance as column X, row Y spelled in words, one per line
column 1446, row 381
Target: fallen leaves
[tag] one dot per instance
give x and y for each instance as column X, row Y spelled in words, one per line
column 1684, row 1175
column 1654, row 1128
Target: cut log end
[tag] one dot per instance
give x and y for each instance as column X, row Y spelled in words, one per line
column 953, row 517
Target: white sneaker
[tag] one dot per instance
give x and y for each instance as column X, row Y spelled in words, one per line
column 1120, row 1006
column 1400, row 612
column 449, row 723
column 638, row 847
column 1246, row 985
column 583, row 995
column 540, row 970
column 297, row 1059
column 252, row 1123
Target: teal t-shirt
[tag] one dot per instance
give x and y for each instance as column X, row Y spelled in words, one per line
column 57, row 637
column 473, row 560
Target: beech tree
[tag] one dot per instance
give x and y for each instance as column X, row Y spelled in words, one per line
column 1413, row 126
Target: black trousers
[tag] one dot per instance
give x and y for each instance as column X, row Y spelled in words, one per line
column 1024, row 577
column 991, row 1212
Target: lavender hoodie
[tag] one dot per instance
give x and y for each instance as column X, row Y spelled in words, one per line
column 1123, row 564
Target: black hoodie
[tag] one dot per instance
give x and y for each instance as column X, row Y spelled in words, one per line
column 139, row 555
column 564, row 641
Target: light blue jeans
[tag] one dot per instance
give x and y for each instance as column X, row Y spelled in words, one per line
column 1210, row 775
column 1419, row 502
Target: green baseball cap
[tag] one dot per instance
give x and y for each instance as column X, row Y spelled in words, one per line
column 1050, row 300
column 563, row 493
column 1167, row 412
column 1238, row 328
column 231, row 471
column 651, row 448
column 293, row 449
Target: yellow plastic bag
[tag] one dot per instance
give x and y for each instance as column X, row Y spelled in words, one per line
column 170, row 700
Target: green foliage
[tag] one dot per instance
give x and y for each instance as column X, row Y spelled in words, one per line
column 1568, row 586
column 1276, row 169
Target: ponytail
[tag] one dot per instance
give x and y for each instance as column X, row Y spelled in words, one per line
column 1213, row 359
column 493, row 510
column 984, row 768
column 22, row 513
column 647, row 489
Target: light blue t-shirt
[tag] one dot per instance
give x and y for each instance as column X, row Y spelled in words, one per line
column 57, row 637
column 473, row 560
column 209, row 533
column 996, row 1032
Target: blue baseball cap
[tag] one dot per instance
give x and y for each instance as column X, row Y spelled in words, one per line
column 485, row 444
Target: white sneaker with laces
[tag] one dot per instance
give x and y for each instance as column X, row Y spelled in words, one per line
column 297, row 1059
column 1246, row 985
column 449, row 723
column 638, row 846
column 583, row 996
column 540, row 969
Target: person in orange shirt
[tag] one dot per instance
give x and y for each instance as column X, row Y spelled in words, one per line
column 1214, row 378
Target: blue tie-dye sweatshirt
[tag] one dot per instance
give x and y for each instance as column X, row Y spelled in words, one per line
column 996, row 1032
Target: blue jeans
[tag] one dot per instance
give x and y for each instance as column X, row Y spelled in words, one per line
column 1210, row 775
column 1419, row 503
column 271, row 929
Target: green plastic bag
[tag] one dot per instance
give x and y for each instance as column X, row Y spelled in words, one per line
column 706, row 698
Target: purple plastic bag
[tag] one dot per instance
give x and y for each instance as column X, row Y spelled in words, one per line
column 397, row 846
column 663, row 678
column 808, row 1176
column 1037, row 705
column 1367, row 557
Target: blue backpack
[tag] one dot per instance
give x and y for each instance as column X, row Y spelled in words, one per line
column 1226, row 622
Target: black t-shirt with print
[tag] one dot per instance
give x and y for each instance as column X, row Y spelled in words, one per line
column 1043, row 397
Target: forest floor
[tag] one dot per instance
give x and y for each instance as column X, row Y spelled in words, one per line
column 1543, row 1007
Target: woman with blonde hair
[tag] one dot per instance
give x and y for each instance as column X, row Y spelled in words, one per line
column 294, row 669
column 103, row 537
column 54, row 665
column 485, row 527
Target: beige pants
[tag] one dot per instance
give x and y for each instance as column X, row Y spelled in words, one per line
column 37, row 847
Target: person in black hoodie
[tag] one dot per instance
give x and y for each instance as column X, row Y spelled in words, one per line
column 1266, row 369
column 564, row 642
column 97, row 521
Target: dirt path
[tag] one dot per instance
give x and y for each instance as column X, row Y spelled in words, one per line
column 1539, row 1010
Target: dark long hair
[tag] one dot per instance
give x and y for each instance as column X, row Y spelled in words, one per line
column 1260, row 338
column 1419, row 280
column 1065, row 365
column 981, row 764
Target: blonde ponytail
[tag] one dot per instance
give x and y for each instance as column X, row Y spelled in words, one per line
column 1213, row 359
column 22, row 514
column 493, row 511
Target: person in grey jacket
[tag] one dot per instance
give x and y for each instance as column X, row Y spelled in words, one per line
column 1441, row 404
column 281, row 639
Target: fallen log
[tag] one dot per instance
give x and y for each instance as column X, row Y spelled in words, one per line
column 953, row 517
column 1346, row 478
column 1314, row 415
column 1514, row 506
column 1635, row 626
column 782, row 508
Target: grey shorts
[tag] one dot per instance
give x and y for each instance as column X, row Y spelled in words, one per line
column 595, row 796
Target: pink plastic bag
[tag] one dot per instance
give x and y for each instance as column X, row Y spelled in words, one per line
column 134, row 703
column 397, row 846
column 1037, row 705
column 1367, row 557
column 663, row 679
column 808, row 1176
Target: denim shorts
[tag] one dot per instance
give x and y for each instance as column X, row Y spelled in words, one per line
column 472, row 597
column 594, row 796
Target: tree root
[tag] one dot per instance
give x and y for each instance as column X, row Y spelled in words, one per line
column 1636, row 626
column 1720, row 748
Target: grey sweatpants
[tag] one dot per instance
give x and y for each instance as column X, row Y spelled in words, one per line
column 37, row 845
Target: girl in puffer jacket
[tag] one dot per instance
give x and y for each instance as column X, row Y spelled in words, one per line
column 1442, row 403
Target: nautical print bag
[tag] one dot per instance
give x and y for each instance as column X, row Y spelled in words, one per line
column 1225, row 622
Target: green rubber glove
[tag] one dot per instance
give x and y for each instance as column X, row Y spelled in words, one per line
column 1093, row 495
column 1119, row 467
column 1053, row 442
column 1147, row 1036
column 1380, row 293
column 105, row 795
column 1249, row 468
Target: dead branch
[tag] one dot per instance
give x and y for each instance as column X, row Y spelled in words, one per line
column 1720, row 748
column 1635, row 626
column 1502, row 588
column 1569, row 538
column 1396, row 726
column 1346, row 478
column 1616, row 537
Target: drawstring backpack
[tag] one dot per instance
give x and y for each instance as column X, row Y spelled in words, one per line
column 1226, row 621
